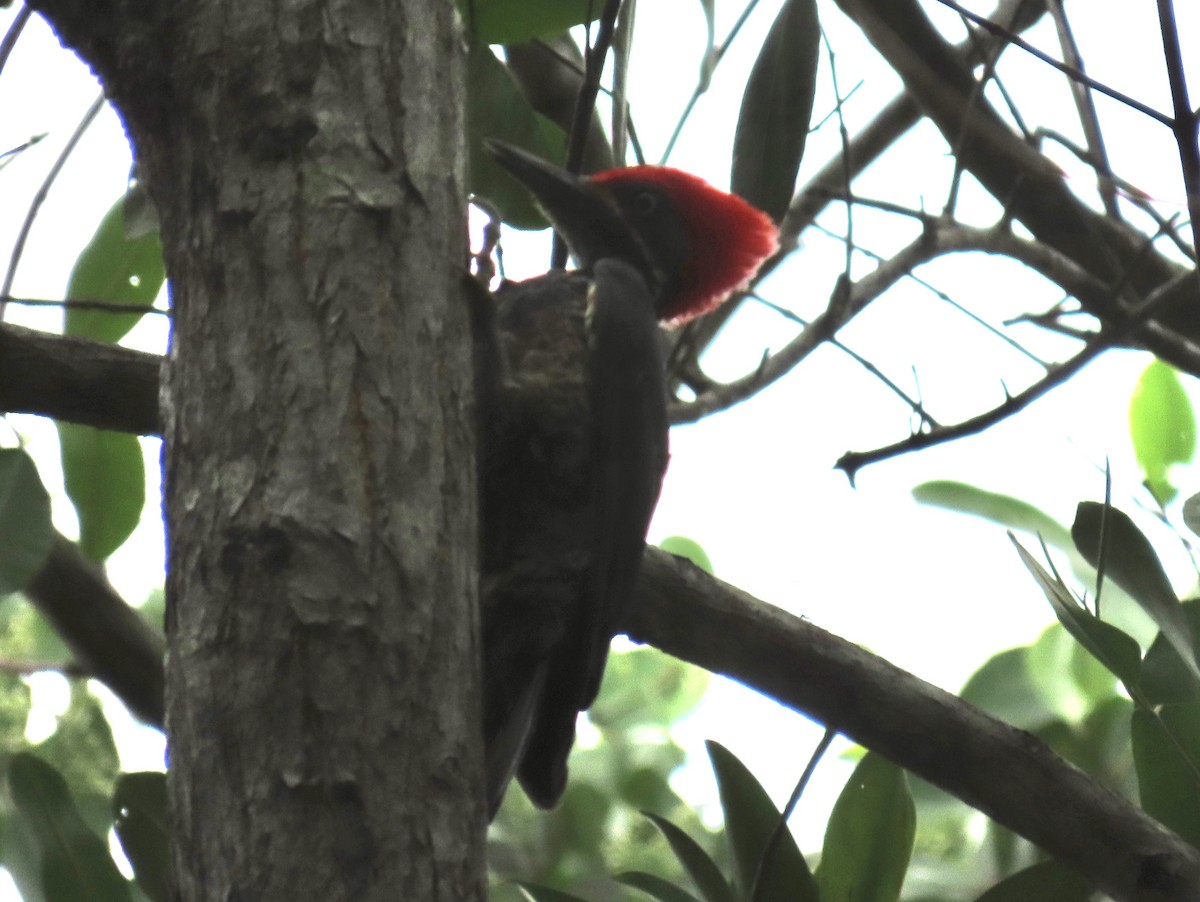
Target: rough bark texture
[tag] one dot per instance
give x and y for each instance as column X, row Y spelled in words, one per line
column 306, row 162
column 1006, row 772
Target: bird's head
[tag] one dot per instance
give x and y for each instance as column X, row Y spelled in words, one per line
column 693, row 243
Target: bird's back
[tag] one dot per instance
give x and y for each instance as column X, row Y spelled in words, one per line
column 570, row 479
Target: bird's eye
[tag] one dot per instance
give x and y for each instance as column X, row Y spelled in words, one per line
column 645, row 203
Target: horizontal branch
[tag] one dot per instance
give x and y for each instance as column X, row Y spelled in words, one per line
column 79, row 381
column 1007, row 773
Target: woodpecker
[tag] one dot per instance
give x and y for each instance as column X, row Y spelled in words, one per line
column 573, row 397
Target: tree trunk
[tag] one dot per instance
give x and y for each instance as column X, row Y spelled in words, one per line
column 306, row 162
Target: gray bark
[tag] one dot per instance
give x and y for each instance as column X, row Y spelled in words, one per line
column 322, row 712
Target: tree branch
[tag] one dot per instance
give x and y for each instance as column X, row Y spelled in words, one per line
column 1004, row 772
column 1078, row 76
column 110, row 640
column 1028, row 184
column 1008, row 774
column 852, row 461
column 897, row 117
column 937, row 239
column 79, row 381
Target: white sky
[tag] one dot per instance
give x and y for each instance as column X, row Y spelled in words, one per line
column 933, row 592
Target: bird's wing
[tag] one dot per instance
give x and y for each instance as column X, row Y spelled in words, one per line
column 629, row 435
column 627, row 390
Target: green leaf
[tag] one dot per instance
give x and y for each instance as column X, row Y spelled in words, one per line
column 496, row 108
column 776, row 108
column 642, row 687
column 140, row 812
column 26, row 634
column 1048, row 881
column 645, row 787
column 1006, row 686
column 513, row 21
column 1165, row 678
column 750, row 821
column 105, row 478
column 1130, row 562
column 1002, row 509
column 1066, row 675
column 75, row 863
column 117, row 269
column 82, row 749
column 700, row 867
column 1166, row 755
column 26, row 532
column 15, row 702
column 682, row 546
column 1118, row 652
column 655, row 887
column 1191, row 513
column 1100, row 744
column 869, row 839
column 547, row 894
column 1162, row 426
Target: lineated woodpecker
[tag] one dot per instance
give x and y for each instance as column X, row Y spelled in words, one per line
column 574, row 401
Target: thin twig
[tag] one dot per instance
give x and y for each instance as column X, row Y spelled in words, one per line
column 896, row 117
column 622, row 50
column 40, row 197
column 594, row 56
column 1085, row 106
column 13, row 152
column 990, row 58
column 844, row 138
column 1001, row 32
column 14, row 32
column 930, row 244
column 17, row 667
column 83, row 304
column 1187, row 120
column 853, row 461
column 781, row 825
column 915, row 403
column 1125, row 188
column 706, row 78
column 986, row 241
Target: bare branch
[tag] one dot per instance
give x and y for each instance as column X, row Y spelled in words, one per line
column 110, row 640
column 42, row 193
column 852, row 461
column 79, row 381
column 1029, row 185
column 1086, row 107
column 1006, row 773
column 585, row 108
column 1187, row 121
column 897, row 117
column 85, row 304
column 1071, row 72
column 938, row 238
column 14, row 32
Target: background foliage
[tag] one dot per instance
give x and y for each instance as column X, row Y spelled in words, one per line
column 1113, row 686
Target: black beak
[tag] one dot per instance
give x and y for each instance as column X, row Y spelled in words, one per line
column 581, row 212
